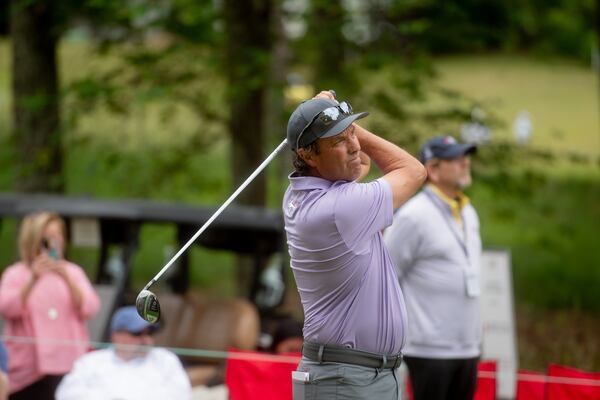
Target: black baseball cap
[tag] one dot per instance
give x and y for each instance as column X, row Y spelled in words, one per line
column 302, row 129
column 446, row 148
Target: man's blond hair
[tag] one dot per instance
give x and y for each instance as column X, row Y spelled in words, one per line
column 31, row 231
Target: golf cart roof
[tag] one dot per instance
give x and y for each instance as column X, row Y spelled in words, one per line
column 238, row 228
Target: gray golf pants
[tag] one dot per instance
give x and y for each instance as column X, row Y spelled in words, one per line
column 330, row 381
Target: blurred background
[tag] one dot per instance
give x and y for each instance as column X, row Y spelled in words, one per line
column 180, row 100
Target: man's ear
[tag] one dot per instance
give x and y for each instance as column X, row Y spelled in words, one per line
column 307, row 156
column 432, row 170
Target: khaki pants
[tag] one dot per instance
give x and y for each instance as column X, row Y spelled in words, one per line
column 330, row 381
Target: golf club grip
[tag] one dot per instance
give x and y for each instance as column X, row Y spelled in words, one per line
column 218, row 212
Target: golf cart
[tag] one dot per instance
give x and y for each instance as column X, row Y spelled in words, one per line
column 200, row 323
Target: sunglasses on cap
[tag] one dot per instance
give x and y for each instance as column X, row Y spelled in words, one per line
column 322, row 120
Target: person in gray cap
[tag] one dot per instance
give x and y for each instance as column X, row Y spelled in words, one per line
column 354, row 313
column 435, row 244
column 130, row 369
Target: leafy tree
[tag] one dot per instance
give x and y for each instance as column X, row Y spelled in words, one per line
column 555, row 27
column 36, row 27
column 228, row 44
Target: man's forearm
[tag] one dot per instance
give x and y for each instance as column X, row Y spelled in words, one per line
column 385, row 154
column 403, row 172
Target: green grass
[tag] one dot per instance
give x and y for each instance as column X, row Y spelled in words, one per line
column 561, row 97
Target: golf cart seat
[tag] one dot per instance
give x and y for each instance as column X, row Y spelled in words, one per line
column 193, row 322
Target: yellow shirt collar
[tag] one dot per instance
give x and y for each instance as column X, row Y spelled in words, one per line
column 456, row 205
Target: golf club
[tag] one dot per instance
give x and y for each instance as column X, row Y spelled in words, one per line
column 146, row 303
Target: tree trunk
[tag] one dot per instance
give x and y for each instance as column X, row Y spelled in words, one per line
column 276, row 124
column 597, row 50
column 247, row 65
column 247, row 59
column 325, row 27
column 35, row 97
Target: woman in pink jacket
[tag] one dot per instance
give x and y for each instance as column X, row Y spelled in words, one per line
column 45, row 301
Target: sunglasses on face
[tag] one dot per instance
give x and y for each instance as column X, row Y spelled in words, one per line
column 322, row 120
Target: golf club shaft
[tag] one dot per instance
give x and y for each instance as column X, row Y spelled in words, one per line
column 217, row 213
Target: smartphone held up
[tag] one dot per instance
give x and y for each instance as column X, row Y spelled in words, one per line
column 51, row 250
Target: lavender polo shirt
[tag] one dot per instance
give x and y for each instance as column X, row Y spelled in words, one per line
column 346, row 279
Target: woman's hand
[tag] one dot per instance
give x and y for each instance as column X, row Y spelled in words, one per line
column 41, row 264
column 60, row 268
column 45, row 264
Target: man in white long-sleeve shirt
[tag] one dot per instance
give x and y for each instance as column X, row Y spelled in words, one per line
column 130, row 369
column 435, row 244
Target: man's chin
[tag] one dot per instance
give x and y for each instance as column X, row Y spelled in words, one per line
column 464, row 184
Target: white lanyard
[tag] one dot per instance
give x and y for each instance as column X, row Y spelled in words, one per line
column 462, row 243
column 470, row 274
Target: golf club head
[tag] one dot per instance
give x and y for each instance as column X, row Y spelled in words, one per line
column 147, row 306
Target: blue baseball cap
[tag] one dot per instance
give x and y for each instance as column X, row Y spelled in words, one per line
column 3, row 358
column 127, row 319
column 446, row 148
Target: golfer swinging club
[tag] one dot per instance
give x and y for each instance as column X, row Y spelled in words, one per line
column 354, row 313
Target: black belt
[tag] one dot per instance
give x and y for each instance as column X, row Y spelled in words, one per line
column 326, row 353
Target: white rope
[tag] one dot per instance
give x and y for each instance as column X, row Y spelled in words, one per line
column 274, row 358
column 201, row 353
column 525, row 377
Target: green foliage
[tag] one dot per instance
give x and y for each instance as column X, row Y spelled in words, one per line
column 547, row 222
column 193, row 20
column 561, row 27
column 7, row 156
column 210, row 270
column 325, row 49
column 408, row 103
column 556, row 27
column 178, row 172
column 466, row 25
